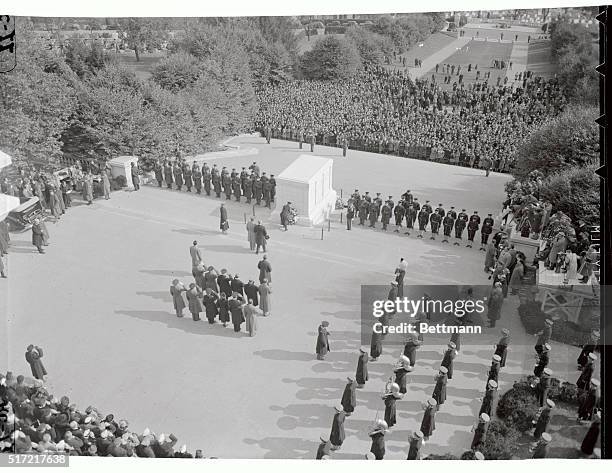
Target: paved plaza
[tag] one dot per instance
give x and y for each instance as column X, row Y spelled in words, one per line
column 98, row 302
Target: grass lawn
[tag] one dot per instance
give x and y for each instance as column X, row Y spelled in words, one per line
column 539, row 59
column 144, row 66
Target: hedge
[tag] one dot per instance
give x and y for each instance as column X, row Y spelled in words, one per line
column 518, row 406
column 501, row 442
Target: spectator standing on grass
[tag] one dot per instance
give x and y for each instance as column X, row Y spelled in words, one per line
column 33, row 356
column 223, row 224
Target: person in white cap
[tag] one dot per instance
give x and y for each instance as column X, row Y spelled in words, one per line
column 590, row 401
column 542, row 418
column 370, row 456
column 541, row 449
column 391, row 395
column 428, row 423
column 375, row 345
column 322, row 346
column 416, row 442
column 439, row 392
column 588, row 349
column 337, row 435
column 349, row 398
column 501, row 348
column 544, row 335
column 182, row 453
column 543, row 360
column 144, row 450
column 544, row 385
column 449, row 356
column 324, row 447
column 410, row 349
column 377, row 434
column 590, row 439
column 361, row 375
column 402, row 368
column 480, row 431
column 493, row 373
column 587, row 372
column 489, row 401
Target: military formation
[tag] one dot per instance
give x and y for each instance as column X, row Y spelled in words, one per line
column 408, row 213
column 251, row 183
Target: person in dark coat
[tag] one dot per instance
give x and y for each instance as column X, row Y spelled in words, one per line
column 541, row 449
column 135, row 176
column 322, row 341
column 176, row 291
column 324, row 449
column 237, row 285
column 33, row 356
column 402, row 368
column 178, row 176
column 587, row 372
column 378, row 439
column 223, row 309
column 496, row 300
column 209, row 300
column 337, row 434
column 361, row 376
column 375, row 345
column 543, row 386
column 235, row 307
column 261, row 236
column 542, row 419
column 501, row 348
column 197, row 178
column 251, row 292
column 168, row 176
column 223, row 223
column 589, row 401
column 223, row 281
column 416, row 442
column 543, row 359
column 193, row 301
column 544, row 335
column 588, row 349
column 37, row 236
column 265, row 270
column 410, row 349
column 349, row 398
column 439, row 392
column 493, row 373
column 489, row 401
column 284, row 215
column 447, row 359
column 389, row 397
column 164, row 447
column 480, row 431
column 592, row 436
column 428, row 424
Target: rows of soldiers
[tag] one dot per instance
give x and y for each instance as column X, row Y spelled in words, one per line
column 251, row 184
column 411, row 213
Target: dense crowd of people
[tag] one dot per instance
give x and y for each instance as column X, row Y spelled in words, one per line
column 478, row 124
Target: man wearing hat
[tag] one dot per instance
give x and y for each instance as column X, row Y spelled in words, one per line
column 144, row 450
column 543, row 386
column 401, row 371
column 324, row 447
column 33, row 356
column 197, row 177
column 428, row 423
column 472, row 226
column 410, row 349
column 361, row 376
column 391, row 395
column 434, row 221
column 590, row 439
column 480, row 431
column 447, row 223
column 543, row 359
column 489, row 401
column 494, row 370
column 416, row 442
column 375, row 345
column 501, row 348
column 377, row 434
column 38, row 235
column 423, row 217
column 385, row 216
column 237, row 285
column 588, row 349
column 587, row 372
column 495, row 303
column 447, row 359
column 168, row 174
column 322, row 340
column 216, row 180
column 485, row 232
column 364, row 209
column 439, row 392
column 460, row 224
column 337, row 435
column 544, row 336
column 206, row 179
column 541, row 448
column 542, row 418
column 589, row 402
column 251, row 291
column 349, row 399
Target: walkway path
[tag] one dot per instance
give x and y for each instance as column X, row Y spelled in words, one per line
column 518, row 58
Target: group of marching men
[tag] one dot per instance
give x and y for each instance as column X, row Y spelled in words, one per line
column 588, row 387
column 251, row 184
column 410, row 209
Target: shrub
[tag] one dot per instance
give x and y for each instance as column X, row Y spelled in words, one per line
column 446, row 456
column 501, row 442
column 569, row 333
column 469, row 455
column 121, row 181
column 563, row 392
column 518, row 406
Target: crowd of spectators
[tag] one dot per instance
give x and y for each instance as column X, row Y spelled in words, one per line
column 478, row 124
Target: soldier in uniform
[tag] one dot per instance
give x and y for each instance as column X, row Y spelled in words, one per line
column 434, row 221
column 236, row 187
column 159, row 174
column 385, row 216
column 543, row 386
column 501, row 348
column 350, row 214
column 168, row 174
column 480, row 431
column 407, row 197
column 439, row 392
column 427, row 207
column 272, row 188
column 543, row 335
column 254, row 168
column 364, row 209
column 267, row 190
column 542, row 418
column 460, row 225
column 226, row 182
column 337, row 434
column 390, row 202
column 410, row 217
column 244, row 175
column 178, row 176
column 541, row 448
column 349, row 401
column 543, row 360
column 187, row 176
column 494, row 370
column 216, row 180
column 399, row 213
column 361, row 375
column 257, row 190
column 447, row 224
column 489, row 400
column 423, row 220
column 472, row 227
column 428, row 424
column 448, row 358
column 485, row 232
column 248, row 188
column 206, row 178
column 390, row 396
column 324, row 449
column 367, row 197
column 378, row 439
column 373, row 214
column 416, row 442
column 197, row 178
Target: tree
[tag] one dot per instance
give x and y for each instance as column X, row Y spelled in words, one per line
column 177, row 71
column 372, row 47
column 570, row 139
column 85, row 59
column 143, row 34
column 331, row 58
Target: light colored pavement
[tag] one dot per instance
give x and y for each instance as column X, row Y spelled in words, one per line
column 518, row 58
column 98, row 303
